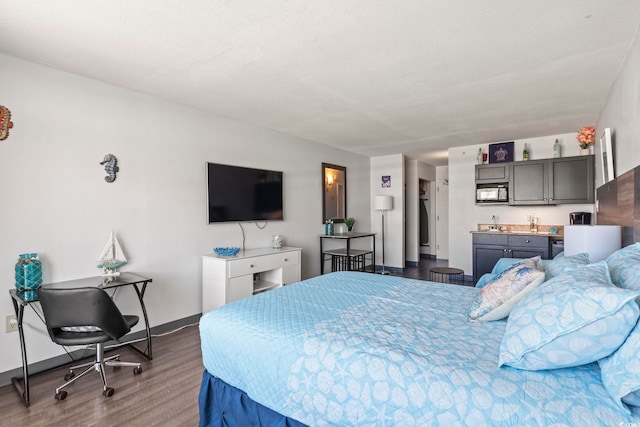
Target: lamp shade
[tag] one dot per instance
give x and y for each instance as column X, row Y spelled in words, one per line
column 599, row 241
column 383, row 203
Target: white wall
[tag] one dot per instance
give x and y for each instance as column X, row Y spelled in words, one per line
column 464, row 214
column 56, row 202
column 621, row 113
column 394, row 167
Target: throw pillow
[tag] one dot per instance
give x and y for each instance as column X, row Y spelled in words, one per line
column 574, row 319
column 624, row 266
column 496, row 300
column 564, row 264
column 621, row 371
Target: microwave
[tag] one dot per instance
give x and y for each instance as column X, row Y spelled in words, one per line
column 492, row 194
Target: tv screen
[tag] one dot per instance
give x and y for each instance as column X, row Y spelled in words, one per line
column 237, row 193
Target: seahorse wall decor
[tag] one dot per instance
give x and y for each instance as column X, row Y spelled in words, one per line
column 110, row 163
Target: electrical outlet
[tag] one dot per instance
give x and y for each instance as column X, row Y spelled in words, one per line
column 10, row 323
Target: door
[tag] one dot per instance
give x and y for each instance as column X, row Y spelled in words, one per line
column 442, row 219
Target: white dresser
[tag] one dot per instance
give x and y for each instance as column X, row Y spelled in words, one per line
column 227, row 279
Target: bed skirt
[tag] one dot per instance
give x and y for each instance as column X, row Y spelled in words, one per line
column 222, row 405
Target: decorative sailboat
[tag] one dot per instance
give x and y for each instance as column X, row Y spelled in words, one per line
column 111, row 257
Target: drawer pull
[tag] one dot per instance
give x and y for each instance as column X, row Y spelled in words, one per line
column 286, row 259
column 250, row 265
column 526, row 241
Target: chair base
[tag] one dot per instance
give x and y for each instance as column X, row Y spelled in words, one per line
column 99, row 366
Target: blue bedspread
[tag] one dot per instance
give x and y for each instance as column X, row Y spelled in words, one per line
column 361, row 349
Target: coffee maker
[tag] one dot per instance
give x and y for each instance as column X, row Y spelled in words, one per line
column 576, row 218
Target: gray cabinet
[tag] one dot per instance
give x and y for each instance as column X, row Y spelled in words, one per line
column 572, row 180
column 488, row 248
column 529, row 183
column 492, row 173
column 552, row 181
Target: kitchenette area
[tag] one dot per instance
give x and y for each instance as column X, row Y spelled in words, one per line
column 517, row 209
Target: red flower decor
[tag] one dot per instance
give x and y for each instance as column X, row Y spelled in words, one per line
column 586, row 136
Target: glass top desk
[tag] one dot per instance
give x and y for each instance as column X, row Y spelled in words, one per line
column 348, row 254
column 22, row 299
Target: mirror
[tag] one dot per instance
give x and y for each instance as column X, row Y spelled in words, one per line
column 334, row 192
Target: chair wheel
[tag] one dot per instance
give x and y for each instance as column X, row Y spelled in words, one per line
column 62, row 395
column 68, row 376
column 108, row 392
column 137, row 370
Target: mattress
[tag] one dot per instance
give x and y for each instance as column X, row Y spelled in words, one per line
column 353, row 348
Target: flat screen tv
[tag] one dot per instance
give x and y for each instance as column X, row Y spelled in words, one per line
column 238, row 194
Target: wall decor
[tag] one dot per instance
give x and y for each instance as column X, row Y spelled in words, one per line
column 606, row 157
column 5, row 122
column 110, row 163
column 501, row 152
column 386, row 181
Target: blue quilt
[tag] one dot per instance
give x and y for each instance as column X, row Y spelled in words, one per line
column 360, row 349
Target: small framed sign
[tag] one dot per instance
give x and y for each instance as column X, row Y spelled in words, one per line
column 386, row 181
column 501, row 152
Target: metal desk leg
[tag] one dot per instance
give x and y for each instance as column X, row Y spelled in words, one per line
column 148, row 354
column 321, row 258
column 22, row 390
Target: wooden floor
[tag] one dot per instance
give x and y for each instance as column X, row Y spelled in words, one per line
column 165, row 394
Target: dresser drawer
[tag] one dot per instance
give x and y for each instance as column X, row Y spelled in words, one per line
column 244, row 266
column 529, row 241
column 284, row 259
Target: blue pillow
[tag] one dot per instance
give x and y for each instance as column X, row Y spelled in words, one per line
column 501, row 265
column 502, row 293
column 564, row 264
column 484, row 279
column 624, row 266
column 574, row 319
column 621, row 371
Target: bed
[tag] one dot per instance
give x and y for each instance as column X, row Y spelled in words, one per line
column 359, row 349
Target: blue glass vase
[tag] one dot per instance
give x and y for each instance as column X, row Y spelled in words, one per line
column 28, row 273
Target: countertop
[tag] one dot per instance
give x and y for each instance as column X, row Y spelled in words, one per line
column 522, row 233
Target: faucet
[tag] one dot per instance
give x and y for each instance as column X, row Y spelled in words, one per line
column 495, row 223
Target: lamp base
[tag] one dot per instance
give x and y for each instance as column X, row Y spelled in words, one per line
column 383, row 272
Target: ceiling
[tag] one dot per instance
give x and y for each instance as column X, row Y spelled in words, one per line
column 370, row 76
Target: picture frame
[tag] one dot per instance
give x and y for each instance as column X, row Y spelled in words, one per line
column 501, row 152
column 606, row 156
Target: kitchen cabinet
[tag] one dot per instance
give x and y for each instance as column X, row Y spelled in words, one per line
column 489, row 247
column 552, row 181
column 492, row 173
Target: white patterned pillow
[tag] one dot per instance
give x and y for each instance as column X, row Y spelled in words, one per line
column 573, row 319
column 624, row 266
column 564, row 264
column 621, row 371
column 498, row 297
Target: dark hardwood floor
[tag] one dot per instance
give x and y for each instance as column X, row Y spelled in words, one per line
column 165, row 394
column 422, row 271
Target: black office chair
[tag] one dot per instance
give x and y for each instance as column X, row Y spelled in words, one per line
column 85, row 316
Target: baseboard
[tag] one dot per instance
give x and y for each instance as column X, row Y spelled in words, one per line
column 427, row 256
column 57, row 361
column 412, row 263
column 390, row 269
